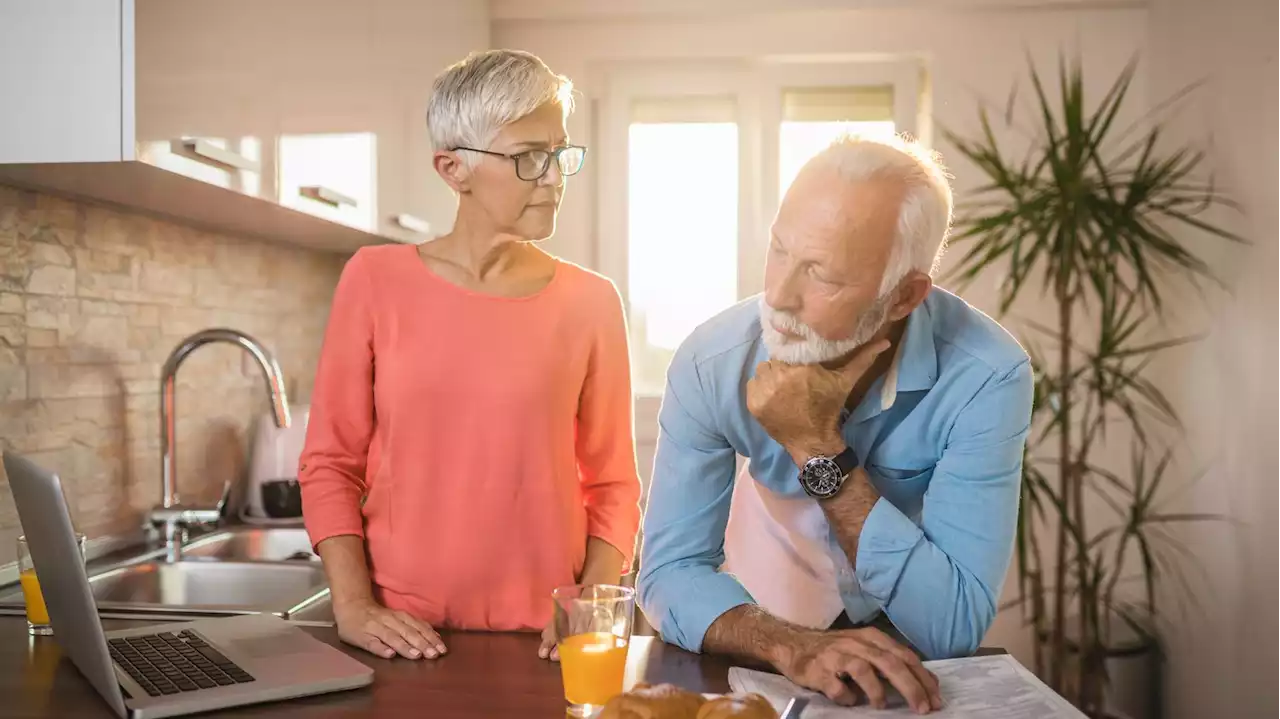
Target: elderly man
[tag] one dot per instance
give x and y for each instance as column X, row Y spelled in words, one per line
column 883, row 421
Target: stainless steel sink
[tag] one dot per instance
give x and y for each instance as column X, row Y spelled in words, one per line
column 262, row 544
column 210, row 587
column 236, row 570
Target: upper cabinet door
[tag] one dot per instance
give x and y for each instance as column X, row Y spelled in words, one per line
column 67, row 68
column 331, row 175
column 318, row 106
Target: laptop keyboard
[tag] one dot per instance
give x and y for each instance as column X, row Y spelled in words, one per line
column 169, row 663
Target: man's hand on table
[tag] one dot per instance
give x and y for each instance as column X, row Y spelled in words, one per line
column 386, row 632
column 838, row 663
column 867, row 657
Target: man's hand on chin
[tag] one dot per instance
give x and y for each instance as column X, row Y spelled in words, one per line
column 799, row 405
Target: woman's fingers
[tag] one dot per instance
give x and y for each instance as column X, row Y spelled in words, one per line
column 431, row 643
column 371, row 644
column 548, row 648
column 393, row 639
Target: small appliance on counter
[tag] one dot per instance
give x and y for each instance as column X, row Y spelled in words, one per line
column 273, row 491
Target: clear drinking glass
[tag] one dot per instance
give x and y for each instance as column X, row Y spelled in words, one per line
column 37, row 612
column 593, row 623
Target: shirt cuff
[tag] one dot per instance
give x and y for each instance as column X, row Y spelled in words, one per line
column 698, row 606
column 334, row 516
column 888, row 537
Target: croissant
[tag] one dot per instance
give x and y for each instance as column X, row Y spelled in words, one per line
column 661, row 701
column 737, row 706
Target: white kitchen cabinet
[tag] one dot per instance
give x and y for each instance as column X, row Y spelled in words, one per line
column 297, row 120
column 65, row 80
column 330, row 175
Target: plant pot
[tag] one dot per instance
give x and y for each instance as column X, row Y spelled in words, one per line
column 1134, row 675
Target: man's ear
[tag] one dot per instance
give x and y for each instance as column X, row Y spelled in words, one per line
column 452, row 170
column 912, row 290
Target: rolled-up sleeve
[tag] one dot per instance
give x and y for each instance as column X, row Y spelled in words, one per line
column 606, row 450
column 680, row 587
column 939, row 581
column 332, row 468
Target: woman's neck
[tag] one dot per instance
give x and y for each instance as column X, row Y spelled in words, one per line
column 478, row 252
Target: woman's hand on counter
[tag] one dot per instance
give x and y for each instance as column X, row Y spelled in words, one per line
column 386, row 632
column 549, row 650
column 363, row 622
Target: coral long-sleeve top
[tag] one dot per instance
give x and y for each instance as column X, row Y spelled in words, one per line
column 475, row 442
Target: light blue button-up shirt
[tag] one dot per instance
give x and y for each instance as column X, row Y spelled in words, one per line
column 945, row 455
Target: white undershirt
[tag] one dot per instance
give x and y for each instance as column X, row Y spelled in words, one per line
column 779, row 548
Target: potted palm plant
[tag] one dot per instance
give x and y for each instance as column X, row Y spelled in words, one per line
column 1101, row 219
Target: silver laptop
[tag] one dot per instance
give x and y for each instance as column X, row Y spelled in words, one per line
column 169, row 669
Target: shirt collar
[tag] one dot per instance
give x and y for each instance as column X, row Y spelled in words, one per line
column 914, row 367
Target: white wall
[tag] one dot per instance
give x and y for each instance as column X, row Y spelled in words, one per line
column 970, row 55
column 1223, row 661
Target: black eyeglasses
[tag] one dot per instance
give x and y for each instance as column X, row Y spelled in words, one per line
column 533, row 164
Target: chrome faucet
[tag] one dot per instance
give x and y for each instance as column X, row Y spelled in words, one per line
column 171, row 518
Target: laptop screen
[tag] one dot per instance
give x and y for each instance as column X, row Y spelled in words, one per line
column 42, row 509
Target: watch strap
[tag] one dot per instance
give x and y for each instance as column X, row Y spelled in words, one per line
column 847, row 461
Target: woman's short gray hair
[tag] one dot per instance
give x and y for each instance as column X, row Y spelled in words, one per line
column 473, row 98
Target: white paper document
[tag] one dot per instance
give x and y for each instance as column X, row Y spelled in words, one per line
column 990, row 687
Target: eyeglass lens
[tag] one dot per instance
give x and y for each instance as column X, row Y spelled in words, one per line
column 533, row 164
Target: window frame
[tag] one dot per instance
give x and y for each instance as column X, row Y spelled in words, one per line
column 757, row 87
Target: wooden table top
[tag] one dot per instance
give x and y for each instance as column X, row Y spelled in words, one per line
column 484, row 675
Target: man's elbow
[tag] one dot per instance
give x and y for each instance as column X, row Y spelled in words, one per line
column 649, row 602
column 658, row 609
column 966, row 630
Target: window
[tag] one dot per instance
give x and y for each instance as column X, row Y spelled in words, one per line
column 682, row 232
column 813, row 117
column 696, row 162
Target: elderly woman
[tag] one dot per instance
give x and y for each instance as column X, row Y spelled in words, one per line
column 470, row 445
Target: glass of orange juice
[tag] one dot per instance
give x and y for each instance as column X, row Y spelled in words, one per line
column 37, row 612
column 593, row 623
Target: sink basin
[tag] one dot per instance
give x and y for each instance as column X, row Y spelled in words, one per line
column 262, row 544
column 218, row 587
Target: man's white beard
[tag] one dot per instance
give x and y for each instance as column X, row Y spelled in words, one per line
column 813, row 349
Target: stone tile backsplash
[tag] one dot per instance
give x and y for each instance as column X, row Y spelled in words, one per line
column 92, row 300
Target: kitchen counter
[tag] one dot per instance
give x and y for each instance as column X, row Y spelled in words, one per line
column 484, row 675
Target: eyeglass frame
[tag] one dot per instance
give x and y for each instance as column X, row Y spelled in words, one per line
column 551, row 155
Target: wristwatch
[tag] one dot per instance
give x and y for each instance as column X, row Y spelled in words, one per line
column 822, row 477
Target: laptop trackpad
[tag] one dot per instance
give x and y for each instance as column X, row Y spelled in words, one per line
column 271, row 645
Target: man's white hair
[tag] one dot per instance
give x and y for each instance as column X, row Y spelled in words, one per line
column 925, row 216
column 473, row 98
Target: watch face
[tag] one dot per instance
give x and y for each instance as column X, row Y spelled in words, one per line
column 821, row 477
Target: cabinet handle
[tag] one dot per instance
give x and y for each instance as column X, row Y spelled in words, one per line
column 328, row 196
column 210, row 154
column 412, row 223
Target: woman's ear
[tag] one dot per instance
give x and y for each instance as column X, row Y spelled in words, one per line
column 912, row 290
column 452, row 170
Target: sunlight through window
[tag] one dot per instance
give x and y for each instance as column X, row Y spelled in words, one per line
column 799, row 141
column 814, row 116
column 682, row 236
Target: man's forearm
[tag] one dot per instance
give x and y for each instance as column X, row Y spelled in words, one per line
column 847, row 511
column 347, row 568
column 750, row 633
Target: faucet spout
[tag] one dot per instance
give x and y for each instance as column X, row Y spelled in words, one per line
column 168, row 431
